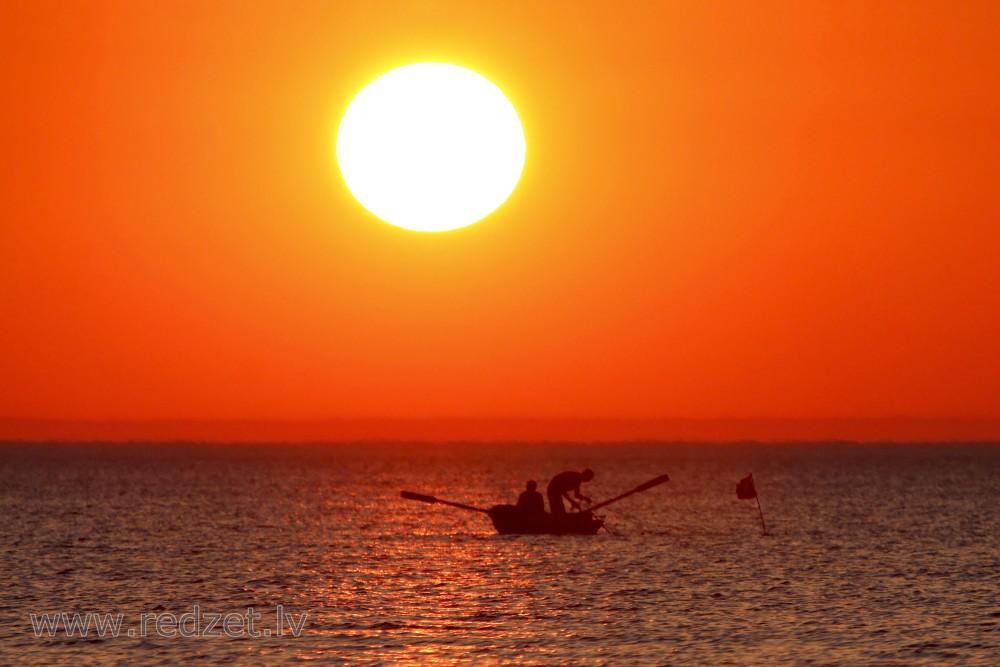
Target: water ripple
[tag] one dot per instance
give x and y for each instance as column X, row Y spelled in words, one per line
column 877, row 555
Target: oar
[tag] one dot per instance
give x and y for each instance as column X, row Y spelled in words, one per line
column 642, row 487
column 410, row 495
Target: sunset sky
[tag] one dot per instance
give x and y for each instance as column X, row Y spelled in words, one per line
column 732, row 209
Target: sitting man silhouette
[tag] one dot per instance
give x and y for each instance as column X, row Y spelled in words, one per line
column 560, row 486
column 530, row 499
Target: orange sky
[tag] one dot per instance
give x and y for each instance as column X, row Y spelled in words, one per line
column 727, row 210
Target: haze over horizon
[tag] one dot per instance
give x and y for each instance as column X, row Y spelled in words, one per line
column 508, row 430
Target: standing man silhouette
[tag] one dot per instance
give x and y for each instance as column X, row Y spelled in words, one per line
column 560, row 486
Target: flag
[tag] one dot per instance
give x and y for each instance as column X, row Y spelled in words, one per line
column 745, row 490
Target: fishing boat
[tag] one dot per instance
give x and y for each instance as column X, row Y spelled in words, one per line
column 514, row 520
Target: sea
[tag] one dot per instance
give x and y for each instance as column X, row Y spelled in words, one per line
column 230, row 554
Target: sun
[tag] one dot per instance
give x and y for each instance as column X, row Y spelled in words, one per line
column 430, row 147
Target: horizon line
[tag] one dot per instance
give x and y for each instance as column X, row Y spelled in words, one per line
column 505, row 429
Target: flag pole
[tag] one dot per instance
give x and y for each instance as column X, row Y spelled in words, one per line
column 756, row 495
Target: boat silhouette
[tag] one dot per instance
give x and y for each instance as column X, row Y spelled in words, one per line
column 514, row 520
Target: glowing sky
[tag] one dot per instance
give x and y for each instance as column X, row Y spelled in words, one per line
column 734, row 209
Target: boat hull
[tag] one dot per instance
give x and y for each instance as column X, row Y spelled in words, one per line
column 512, row 520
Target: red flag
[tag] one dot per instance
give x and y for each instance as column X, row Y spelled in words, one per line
column 745, row 490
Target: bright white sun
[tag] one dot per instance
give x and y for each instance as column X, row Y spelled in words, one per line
column 430, row 147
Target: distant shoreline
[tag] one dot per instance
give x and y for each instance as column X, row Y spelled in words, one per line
column 888, row 429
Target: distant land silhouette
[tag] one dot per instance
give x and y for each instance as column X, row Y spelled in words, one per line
column 457, row 430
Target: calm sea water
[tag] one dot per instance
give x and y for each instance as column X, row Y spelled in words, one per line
column 878, row 555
